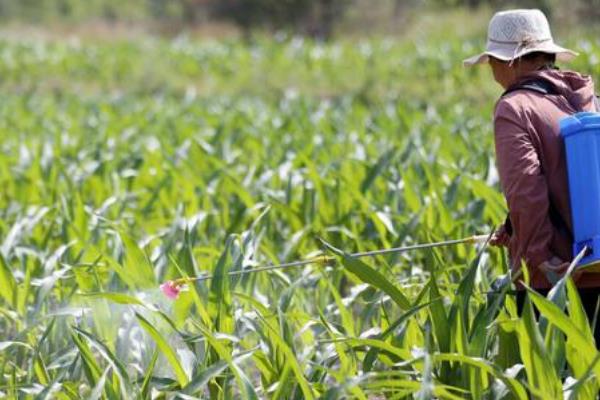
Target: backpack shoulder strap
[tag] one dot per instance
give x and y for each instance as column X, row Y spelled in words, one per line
column 541, row 86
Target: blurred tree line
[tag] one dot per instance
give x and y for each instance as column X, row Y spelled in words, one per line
column 312, row 17
column 317, row 18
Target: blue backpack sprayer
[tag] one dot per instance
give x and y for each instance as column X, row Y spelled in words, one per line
column 581, row 134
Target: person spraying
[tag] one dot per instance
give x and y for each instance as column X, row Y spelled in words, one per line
column 529, row 148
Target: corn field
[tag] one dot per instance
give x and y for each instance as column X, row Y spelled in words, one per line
column 130, row 163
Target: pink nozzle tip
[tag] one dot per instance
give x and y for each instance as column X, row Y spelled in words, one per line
column 170, row 289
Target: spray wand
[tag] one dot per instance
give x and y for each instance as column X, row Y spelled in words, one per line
column 172, row 288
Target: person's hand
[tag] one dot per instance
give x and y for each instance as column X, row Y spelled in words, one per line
column 500, row 237
column 558, row 267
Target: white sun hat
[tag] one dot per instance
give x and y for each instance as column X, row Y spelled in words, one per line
column 514, row 33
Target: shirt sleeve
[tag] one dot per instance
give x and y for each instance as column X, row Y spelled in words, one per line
column 524, row 185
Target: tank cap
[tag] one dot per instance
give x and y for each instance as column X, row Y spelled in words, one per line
column 578, row 122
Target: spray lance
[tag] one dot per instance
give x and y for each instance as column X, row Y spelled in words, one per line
column 172, row 288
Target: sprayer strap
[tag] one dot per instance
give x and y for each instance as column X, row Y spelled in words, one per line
column 541, row 86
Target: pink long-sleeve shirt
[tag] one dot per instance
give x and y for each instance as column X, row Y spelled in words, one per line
column 532, row 168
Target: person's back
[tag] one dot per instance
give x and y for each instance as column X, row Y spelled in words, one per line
column 535, row 165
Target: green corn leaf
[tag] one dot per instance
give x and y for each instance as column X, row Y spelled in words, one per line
column 381, row 165
column 574, row 335
column 383, row 347
column 371, row 276
column 145, row 389
column 577, row 312
column 220, row 307
column 90, row 366
column 517, row 389
column 137, row 265
column 225, row 355
column 201, row 380
column 279, row 344
column 8, row 284
column 96, row 393
column 373, row 352
column 345, row 314
column 117, row 366
column 441, row 326
column 166, row 349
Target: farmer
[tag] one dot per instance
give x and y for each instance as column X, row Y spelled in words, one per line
column 529, row 149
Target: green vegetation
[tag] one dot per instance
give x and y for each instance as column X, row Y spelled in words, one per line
column 126, row 164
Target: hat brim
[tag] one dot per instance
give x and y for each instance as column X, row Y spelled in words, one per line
column 507, row 54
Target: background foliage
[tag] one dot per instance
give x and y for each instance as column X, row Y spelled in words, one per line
column 316, row 18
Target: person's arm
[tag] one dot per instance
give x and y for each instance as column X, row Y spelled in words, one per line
column 524, row 186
